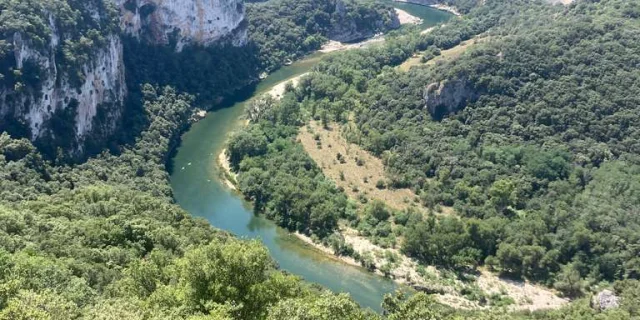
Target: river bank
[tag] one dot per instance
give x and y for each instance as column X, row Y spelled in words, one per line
column 200, row 188
column 392, row 264
column 439, row 6
column 407, row 18
column 405, row 271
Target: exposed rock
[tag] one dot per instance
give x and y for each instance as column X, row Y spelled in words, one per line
column 191, row 21
column 63, row 105
column 446, row 97
column 345, row 28
column 197, row 115
column 605, row 300
column 102, row 85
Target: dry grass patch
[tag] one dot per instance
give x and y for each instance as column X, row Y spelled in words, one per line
column 527, row 296
column 358, row 172
column 445, row 55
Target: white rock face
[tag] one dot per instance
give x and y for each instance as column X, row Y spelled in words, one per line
column 606, row 300
column 192, row 21
column 445, row 97
column 103, row 83
column 102, row 87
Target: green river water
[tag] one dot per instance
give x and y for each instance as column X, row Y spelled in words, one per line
column 198, row 189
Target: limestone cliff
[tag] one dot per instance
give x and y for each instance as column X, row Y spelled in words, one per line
column 446, row 97
column 189, row 21
column 34, row 104
column 63, row 83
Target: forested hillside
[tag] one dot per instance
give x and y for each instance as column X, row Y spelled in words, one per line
column 528, row 138
column 103, row 239
column 539, row 162
column 279, row 31
column 286, row 29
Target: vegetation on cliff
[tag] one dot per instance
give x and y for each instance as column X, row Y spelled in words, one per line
column 541, row 169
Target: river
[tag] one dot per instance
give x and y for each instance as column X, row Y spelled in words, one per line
column 198, row 189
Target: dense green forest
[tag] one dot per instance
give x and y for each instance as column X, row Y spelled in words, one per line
column 102, row 240
column 541, row 167
column 539, row 160
column 279, row 31
column 284, row 30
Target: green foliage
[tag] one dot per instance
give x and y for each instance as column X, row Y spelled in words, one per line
column 282, row 180
column 530, row 164
column 33, row 20
column 542, row 169
column 103, row 240
column 284, row 30
column 324, row 307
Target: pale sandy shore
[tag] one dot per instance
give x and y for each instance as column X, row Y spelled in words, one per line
column 447, row 8
column 407, row 18
column 278, row 90
column 332, row 45
column 223, row 162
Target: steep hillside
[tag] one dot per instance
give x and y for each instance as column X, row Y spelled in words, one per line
column 62, row 66
column 185, row 22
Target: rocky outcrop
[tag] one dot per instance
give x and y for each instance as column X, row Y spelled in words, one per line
column 101, row 85
column 605, row 300
column 449, row 96
column 201, row 22
column 70, row 88
column 346, row 29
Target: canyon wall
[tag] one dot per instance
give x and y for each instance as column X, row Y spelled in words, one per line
column 201, row 22
column 64, row 84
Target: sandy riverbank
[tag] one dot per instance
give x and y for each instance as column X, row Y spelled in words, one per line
column 447, row 8
column 404, row 273
column 407, row 18
column 228, row 175
column 278, row 90
column 332, row 45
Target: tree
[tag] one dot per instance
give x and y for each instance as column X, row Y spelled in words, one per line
column 246, row 143
column 569, row 281
column 324, row 307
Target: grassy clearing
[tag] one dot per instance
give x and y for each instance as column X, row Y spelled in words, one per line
column 357, row 171
column 445, row 55
column 352, row 168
